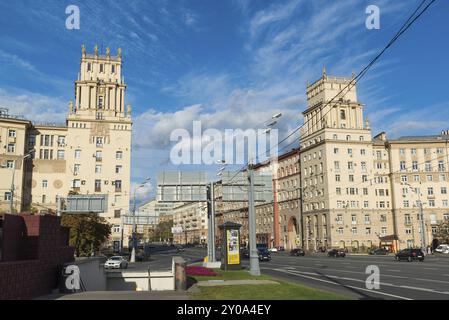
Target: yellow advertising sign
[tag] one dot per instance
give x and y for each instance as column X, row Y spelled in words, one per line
column 233, row 246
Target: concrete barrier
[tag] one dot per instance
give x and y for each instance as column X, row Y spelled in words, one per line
column 92, row 273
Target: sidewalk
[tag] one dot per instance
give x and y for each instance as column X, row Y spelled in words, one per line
column 118, row 295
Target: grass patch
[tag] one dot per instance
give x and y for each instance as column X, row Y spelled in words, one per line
column 230, row 275
column 281, row 291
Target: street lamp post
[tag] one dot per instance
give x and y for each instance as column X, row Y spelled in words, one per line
column 134, row 228
column 253, row 255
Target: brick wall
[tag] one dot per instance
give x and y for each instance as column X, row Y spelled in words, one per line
column 34, row 248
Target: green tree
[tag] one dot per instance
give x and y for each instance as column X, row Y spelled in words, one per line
column 442, row 232
column 163, row 230
column 87, row 232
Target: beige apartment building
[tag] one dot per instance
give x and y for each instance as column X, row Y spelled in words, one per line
column 361, row 191
column 89, row 155
column 190, row 221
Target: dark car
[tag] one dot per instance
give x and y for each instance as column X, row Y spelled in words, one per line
column 379, row 251
column 264, row 255
column 280, row 248
column 244, row 253
column 297, row 252
column 410, row 255
column 336, row 253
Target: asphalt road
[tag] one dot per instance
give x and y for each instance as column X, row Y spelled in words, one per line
column 398, row 280
column 347, row 276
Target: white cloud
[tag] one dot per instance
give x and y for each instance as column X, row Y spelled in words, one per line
column 34, row 106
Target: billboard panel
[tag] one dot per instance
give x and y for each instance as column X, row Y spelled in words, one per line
column 178, row 186
column 86, row 203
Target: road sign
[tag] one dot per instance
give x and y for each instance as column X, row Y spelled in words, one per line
column 235, row 187
column 140, row 220
column 178, row 186
column 86, row 203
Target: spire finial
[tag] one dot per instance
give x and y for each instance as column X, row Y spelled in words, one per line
column 324, row 71
column 96, row 50
column 119, row 52
column 367, row 124
column 108, row 52
column 83, row 50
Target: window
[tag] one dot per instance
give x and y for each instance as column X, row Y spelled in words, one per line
column 98, row 156
column 350, row 152
column 101, row 67
column 402, row 165
column 98, row 168
column 403, row 178
column 61, row 140
column 100, row 102
column 335, row 150
column 61, row 154
column 361, row 138
column 118, row 185
column 402, row 152
column 430, row 191
column 99, row 141
column 335, row 137
column 44, row 198
column 351, row 178
column 44, row 183
column 383, row 218
column 363, row 166
column 342, row 115
column 368, row 231
column 443, row 190
column 441, row 165
column 116, row 228
column 340, row 230
column 367, row 219
column 336, row 165
column 407, row 219
column 348, row 137
column 428, row 166
column 113, row 68
column 31, row 141
column 77, row 154
column 354, row 230
column 12, row 133
column 11, row 147
column 383, row 231
column 118, row 169
column 117, row 213
column 10, row 164
column 89, row 67
column 350, row 166
column 97, row 185
column 7, row 196
column 337, row 177
column 76, row 169
column 119, row 155
column 415, row 165
column 413, row 151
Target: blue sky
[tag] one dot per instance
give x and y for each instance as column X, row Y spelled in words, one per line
column 230, row 64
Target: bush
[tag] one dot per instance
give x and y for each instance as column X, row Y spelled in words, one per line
column 200, row 271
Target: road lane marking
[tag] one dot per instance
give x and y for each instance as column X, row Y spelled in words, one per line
column 394, row 270
column 430, row 268
column 358, row 280
column 346, row 286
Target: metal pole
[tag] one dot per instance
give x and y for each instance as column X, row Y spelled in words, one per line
column 133, row 252
column 121, row 233
column 253, row 256
column 11, row 201
column 209, row 223
column 423, row 226
column 212, row 205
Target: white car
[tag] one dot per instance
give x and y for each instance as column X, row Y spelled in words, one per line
column 442, row 248
column 116, row 262
column 273, row 249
